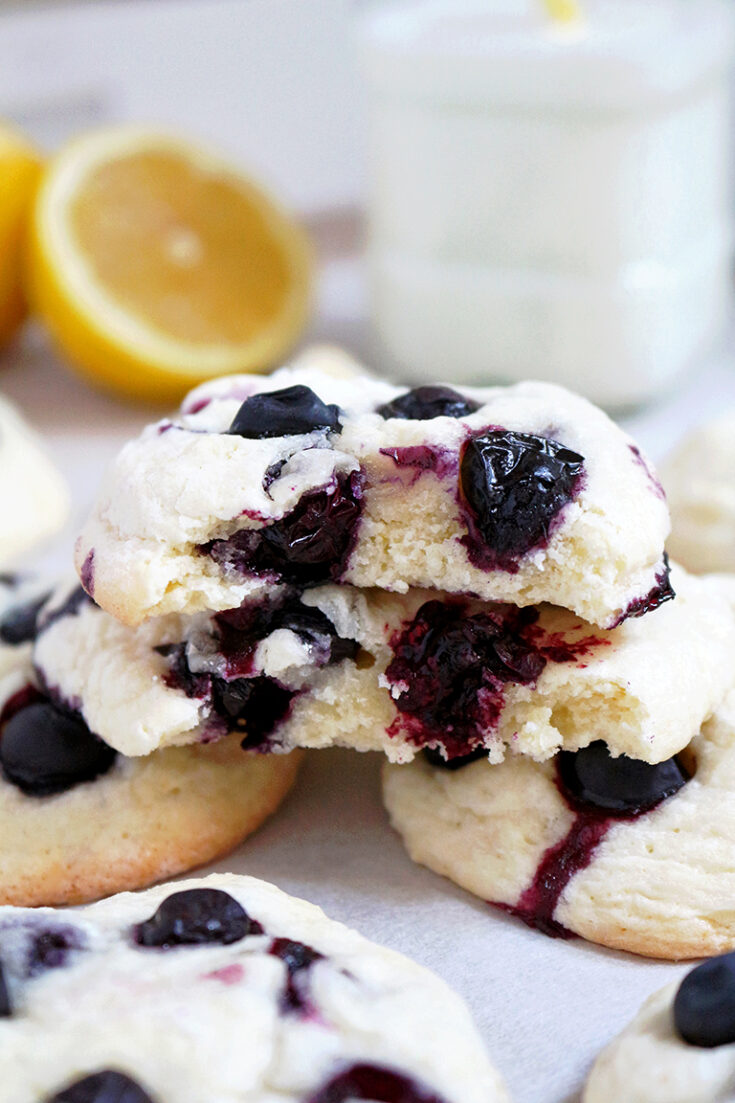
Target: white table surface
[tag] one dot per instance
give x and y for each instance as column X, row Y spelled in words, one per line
column 545, row 1007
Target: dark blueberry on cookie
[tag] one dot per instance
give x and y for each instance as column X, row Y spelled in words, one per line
column 435, row 758
column 284, row 413
column 196, row 917
column 620, row 786
column 515, row 485
column 704, row 1007
column 6, row 1008
column 50, row 949
column 45, row 751
column 107, row 1086
column 18, row 625
column 379, row 1085
column 310, row 544
column 424, row 403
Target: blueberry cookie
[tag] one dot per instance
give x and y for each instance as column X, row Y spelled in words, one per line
column 633, row 856
column 79, row 821
column 224, row 989
column 680, row 1048
column 33, row 496
column 396, row 672
column 521, row 494
column 700, row 483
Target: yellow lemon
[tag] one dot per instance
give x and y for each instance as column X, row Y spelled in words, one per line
column 156, row 265
column 19, row 170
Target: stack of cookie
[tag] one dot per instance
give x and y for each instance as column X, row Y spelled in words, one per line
column 473, row 582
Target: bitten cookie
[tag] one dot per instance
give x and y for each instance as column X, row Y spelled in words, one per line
column 632, row 856
column 79, row 821
column 225, row 989
column 680, row 1047
column 700, row 484
column 391, row 672
column 521, row 494
column 33, row 496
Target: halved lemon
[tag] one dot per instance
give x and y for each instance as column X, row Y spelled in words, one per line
column 20, row 166
column 156, row 265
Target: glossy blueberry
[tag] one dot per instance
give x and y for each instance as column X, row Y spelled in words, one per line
column 379, row 1085
column 311, row 625
column 107, row 1086
column 284, row 413
column 18, row 625
column 310, row 544
column 6, row 1008
column 424, row 403
column 704, row 1007
column 515, row 484
column 435, row 758
column 196, row 917
column 621, row 786
column 45, row 751
column 253, row 705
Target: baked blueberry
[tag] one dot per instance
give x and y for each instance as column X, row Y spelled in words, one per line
column 310, row 544
column 6, row 1008
column 196, row 917
column 19, row 623
column 621, row 786
column 284, row 413
column 515, row 484
column 108, row 1086
column 424, row 403
column 45, row 751
column 379, row 1085
column 435, row 758
column 297, row 957
column 704, row 1007
column 50, row 948
column 452, row 668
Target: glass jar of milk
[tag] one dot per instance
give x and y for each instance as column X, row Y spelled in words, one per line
column 550, row 199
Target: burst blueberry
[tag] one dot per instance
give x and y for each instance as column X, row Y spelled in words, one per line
column 621, row 786
column 196, row 917
column 425, row 403
column 379, row 1085
column 704, row 1007
column 44, row 751
column 284, row 413
column 515, row 485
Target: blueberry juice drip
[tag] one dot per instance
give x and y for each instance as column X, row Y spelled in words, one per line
column 601, row 791
column 311, row 544
column 298, row 959
column 451, row 670
column 661, row 592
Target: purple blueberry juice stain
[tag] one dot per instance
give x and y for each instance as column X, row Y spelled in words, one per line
column 374, row 1083
column 416, row 460
column 451, row 668
column 513, row 489
column 601, row 791
column 21, row 699
column 311, row 544
column 86, row 574
column 653, row 480
column 298, row 959
column 661, row 592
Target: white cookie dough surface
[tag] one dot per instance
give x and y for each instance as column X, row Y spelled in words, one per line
column 231, row 1023
column 649, row 1063
column 614, row 685
column 700, row 483
column 186, row 485
column 660, row 885
column 33, row 496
